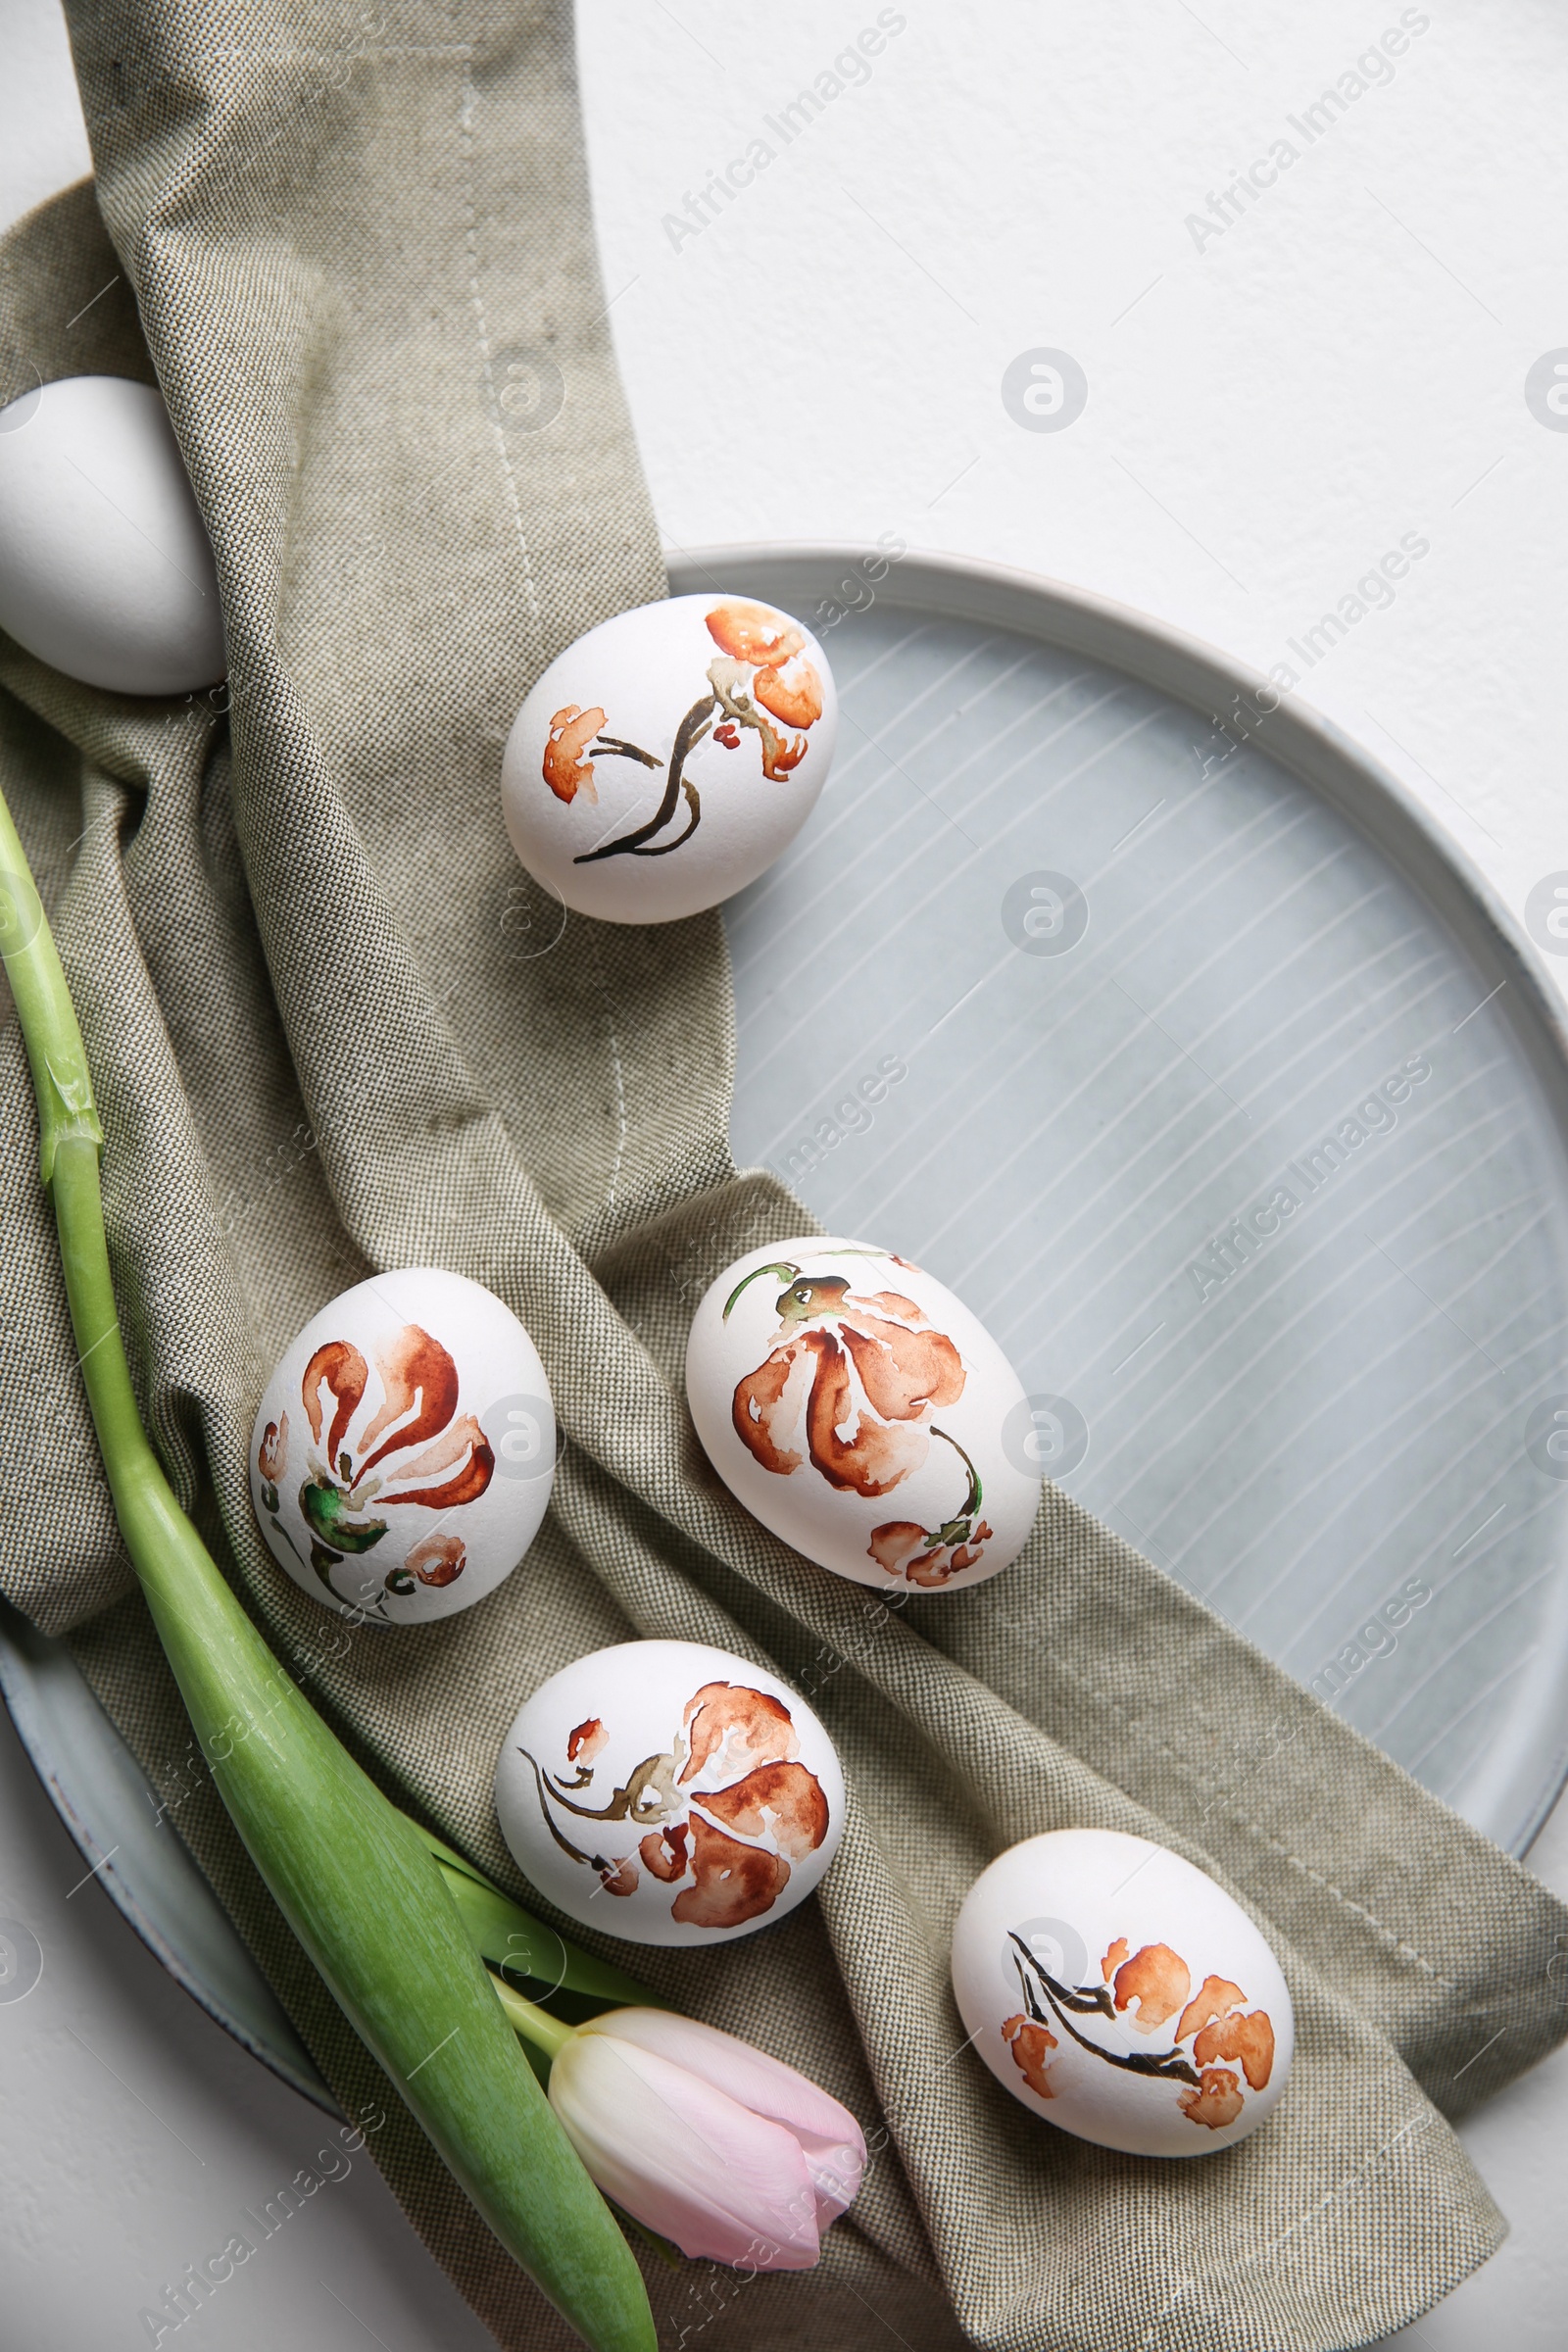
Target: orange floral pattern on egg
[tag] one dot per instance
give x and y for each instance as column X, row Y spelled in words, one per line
column 1217, row 2043
column 728, row 1846
column 384, row 1432
column 849, row 1390
column 761, row 674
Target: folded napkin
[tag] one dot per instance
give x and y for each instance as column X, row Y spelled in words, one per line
column 334, row 1030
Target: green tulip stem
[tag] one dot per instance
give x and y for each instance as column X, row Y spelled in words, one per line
column 535, row 2025
column 358, row 1883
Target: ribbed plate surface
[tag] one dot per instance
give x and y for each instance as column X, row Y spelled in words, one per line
column 1196, row 1065
column 1060, row 982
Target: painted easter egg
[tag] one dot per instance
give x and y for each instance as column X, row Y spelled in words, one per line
column 1118, row 1992
column 405, row 1449
column 859, row 1410
column 668, row 756
column 671, row 1793
column 105, row 568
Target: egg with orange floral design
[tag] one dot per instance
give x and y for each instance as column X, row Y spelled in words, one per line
column 670, row 1793
column 405, row 1449
column 1118, row 1992
column 665, row 759
column 859, row 1410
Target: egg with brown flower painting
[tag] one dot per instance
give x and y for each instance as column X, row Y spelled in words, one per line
column 858, row 1408
column 405, row 1449
column 666, row 758
column 671, row 1793
column 1117, row 1991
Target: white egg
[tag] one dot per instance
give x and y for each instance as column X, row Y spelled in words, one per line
column 859, row 1410
column 668, row 756
column 104, row 569
column 671, row 1793
column 1116, row 1991
column 405, row 1449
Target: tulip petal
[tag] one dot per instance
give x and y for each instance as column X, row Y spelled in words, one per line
column 419, row 1379
column 684, row 2157
column 830, row 2140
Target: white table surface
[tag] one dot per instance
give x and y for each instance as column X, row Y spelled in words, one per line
column 1271, row 404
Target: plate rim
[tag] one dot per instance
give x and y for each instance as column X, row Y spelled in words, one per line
column 29, row 1660
column 1310, row 746
column 1314, row 748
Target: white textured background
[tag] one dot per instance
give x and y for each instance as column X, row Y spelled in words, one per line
column 1269, row 409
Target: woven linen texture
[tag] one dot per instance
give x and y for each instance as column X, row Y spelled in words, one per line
column 334, row 1030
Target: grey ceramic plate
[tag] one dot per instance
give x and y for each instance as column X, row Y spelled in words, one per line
column 1167, row 1030
column 1083, row 969
column 102, row 1795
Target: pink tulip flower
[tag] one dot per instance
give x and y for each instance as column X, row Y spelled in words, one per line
column 730, row 2153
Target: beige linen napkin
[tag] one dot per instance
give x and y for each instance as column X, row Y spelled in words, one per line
column 334, row 1030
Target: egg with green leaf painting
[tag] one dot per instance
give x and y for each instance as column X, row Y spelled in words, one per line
column 405, row 1449
column 858, row 1408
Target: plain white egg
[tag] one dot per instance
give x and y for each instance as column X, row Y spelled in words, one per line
column 670, row 1793
column 861, row 1411
column 405, row 1449
column 664, row 760
column 1119, row 1994
column 104, row 569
